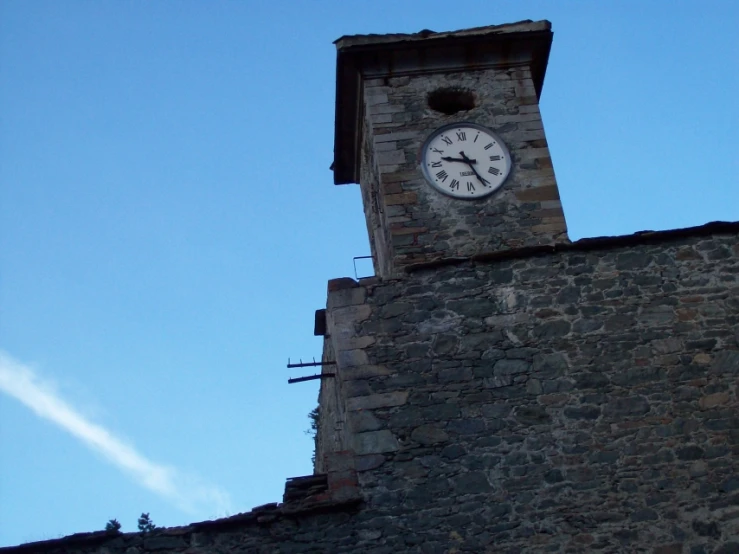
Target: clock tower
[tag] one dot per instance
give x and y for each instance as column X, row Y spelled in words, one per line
column 444, row 135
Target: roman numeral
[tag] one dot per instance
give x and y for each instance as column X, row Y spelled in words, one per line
column 446, row 140
column 461, row 135
column 494, row 171
column 442, row 175
column 437, row 150
column 470, row 186
column 435, row 164
column 489, row 146
column 476, row 137
column 454, row 184
column 494, row 158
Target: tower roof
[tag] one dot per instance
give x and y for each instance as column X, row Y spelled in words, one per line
column 527, row 25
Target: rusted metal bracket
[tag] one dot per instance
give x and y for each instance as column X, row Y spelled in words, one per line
column 314, row 363
column 310, row 378
column 355, row 266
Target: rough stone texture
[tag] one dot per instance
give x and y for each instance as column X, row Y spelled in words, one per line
column 578, row 401
column 409, row 221
column 508, row 391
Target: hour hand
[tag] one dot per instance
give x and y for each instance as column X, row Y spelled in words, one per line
column 464, row 160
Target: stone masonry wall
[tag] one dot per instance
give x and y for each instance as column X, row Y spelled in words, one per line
column 331, row 414
column 579, row 401
column 375, row 211
column 425, row 225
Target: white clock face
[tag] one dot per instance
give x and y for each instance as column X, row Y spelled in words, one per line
column 465, row 160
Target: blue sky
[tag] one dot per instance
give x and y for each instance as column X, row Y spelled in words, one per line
column 168, row 221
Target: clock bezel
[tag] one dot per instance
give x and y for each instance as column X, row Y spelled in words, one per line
column 465, row 124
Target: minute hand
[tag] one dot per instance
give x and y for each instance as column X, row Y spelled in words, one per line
column 469, row 162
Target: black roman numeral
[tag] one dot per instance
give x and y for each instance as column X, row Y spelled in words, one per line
column 446, row 140
column 437, row 150
column 494, row 170
column 435, row 164
column 470, row 186
column 476, row 137
column 461, row 135
column 489, row 146
column 494, row 158
column 454, row 184
column 442, row 175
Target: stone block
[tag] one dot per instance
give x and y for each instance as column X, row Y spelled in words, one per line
column 429, row 434
column 364, row 420
column 364, row 372
column 349, row 315
column 383, row 400
column 582, row 412
column 521, row 116
column 375, row 86
column 630, row 406
column 384, row 108
column 395, row 136
column 538, row 194
column 385, row 118
column 342, row 460
column 375, row 98
column 726, row 362
column 164, row 543
column 351, row 343
column 390, row 157
column 712, row 400
column 342, row 478
column 511, row 367
column 386, row 147
column 369, row 462
column 346, row 297
column 351, row 358
column 400, row 230
column 341, row 283
column 473, row 482
column 401, row 176
column 532, row 415
column 529, row 110
column 667, row 346
column 403, row 198
column 375, row 442
column 549, row 366
column 356, row 387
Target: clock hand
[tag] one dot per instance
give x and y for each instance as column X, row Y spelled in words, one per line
column 465, row 160
column 469, row 162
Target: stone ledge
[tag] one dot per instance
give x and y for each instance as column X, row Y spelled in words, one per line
column 595, row 243
column 341, row 283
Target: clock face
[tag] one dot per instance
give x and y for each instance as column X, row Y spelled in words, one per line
column 465, row 160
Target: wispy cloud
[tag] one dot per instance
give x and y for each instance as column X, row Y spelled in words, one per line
column 187, row 492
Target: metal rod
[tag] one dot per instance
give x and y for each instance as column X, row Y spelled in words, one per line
column 310, row 378
column 355, row 266
column 314, row 363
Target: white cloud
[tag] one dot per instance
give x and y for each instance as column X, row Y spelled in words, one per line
column 187, row 492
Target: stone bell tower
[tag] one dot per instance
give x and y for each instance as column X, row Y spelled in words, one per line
column 503, row 396
column 393, row 91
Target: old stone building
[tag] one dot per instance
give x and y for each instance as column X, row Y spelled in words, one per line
column 496, row 387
